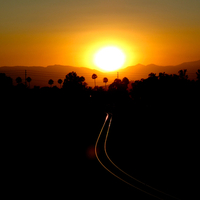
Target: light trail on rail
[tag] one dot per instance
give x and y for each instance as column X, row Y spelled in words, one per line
column 105, row 143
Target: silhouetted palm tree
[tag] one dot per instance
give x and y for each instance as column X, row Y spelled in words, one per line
column 60, row 82
column 50, row 82
column 94, row 76
column 29, row 80
column 105, row 80
column 18, row 80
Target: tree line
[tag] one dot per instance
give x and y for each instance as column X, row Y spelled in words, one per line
column 73, row 80
column 154, row 92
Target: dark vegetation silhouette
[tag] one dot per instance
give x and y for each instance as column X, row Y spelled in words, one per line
column 50, row 82
column 74, row 84
column 60, row 81
column 6, row 83
column 105, row 80
column 29, row 80
column 94, row 76
column 198, row 75
column 18, row 80
column 48, row 131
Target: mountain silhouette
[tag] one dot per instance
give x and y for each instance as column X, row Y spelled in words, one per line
column 142, row 71
column 41, row 75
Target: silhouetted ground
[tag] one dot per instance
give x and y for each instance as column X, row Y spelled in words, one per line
column 45, row 145
column 46, row 151
column 48, row 137
column 160, row 149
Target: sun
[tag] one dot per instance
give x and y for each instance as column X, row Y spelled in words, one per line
column 109, row 58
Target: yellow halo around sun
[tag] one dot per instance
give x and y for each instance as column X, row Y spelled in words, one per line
column 109, row 58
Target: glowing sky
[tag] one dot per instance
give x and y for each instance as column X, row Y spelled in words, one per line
column 45, row 32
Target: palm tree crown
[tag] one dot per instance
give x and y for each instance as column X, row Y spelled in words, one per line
column 60, row 81
column 94, row 76
column 29, row 80
column 50, row 82
column 18, row 80
column 105, row 80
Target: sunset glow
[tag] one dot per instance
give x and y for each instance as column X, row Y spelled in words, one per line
column 70, row 32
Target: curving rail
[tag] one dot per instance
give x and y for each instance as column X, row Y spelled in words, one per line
column 106, row 132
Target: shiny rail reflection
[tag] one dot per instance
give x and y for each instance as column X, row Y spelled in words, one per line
column 105, row 129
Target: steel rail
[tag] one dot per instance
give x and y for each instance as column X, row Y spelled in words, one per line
column 127, row 173
column 110, row 170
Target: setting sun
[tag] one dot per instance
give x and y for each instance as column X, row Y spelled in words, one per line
column 109, row 58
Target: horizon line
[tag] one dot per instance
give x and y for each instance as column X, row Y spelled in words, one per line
column 66, row 65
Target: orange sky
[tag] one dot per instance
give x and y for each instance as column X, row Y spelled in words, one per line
column 69, row 32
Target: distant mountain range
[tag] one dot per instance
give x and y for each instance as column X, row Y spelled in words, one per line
column 141, row 71
column 41, row 75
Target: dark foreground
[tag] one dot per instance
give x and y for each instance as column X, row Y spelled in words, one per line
column 47, row 149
